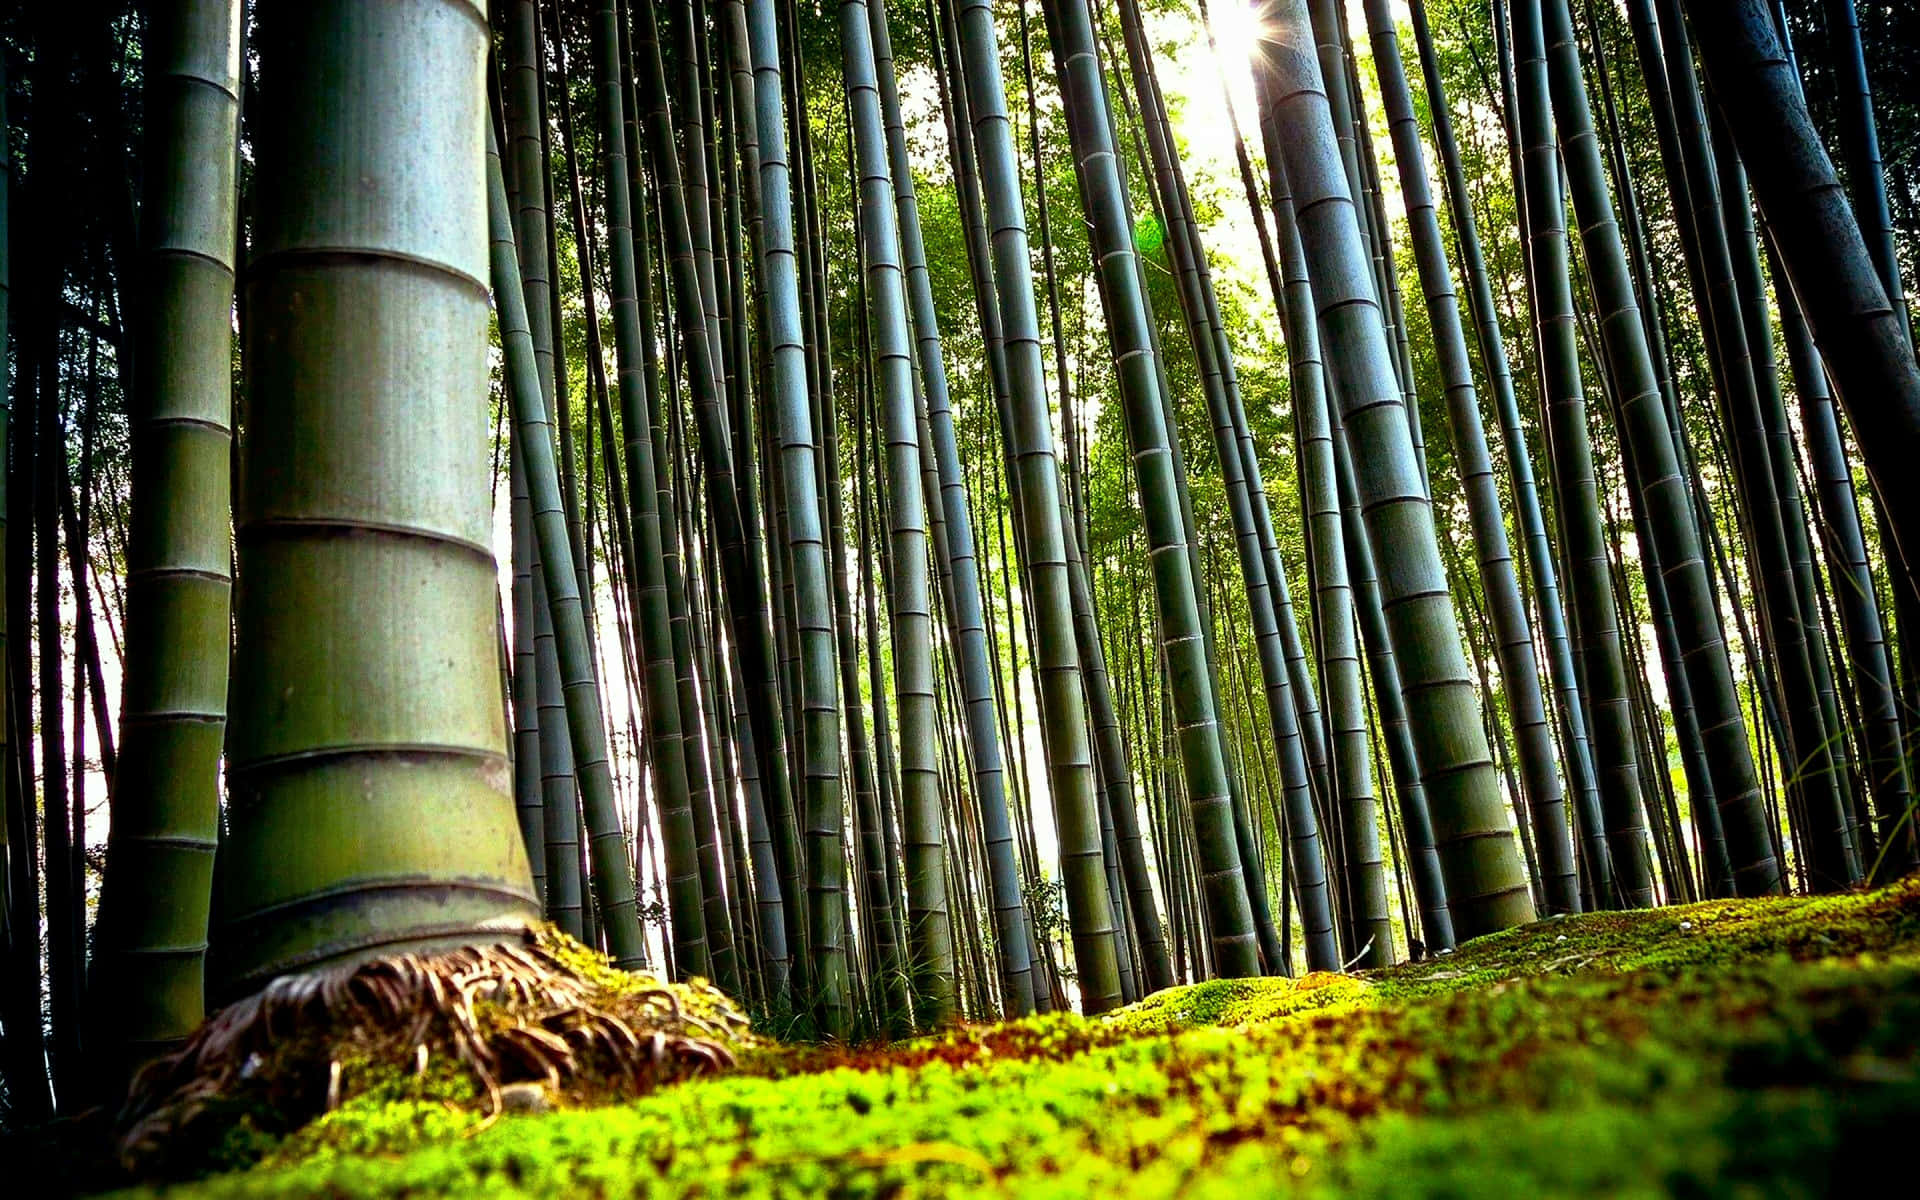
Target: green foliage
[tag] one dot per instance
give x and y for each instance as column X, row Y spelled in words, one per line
column 1149, row 237
column 1730, row 1046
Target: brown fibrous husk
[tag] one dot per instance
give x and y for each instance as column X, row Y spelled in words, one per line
column 540, row 1009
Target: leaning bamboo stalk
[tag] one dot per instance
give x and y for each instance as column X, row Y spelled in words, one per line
column 1486, row 881
column 1574, row 476
column 1365, row 922
column 1856, row 326
column 1513, row 634
column 1030, row 438
column 614, row 903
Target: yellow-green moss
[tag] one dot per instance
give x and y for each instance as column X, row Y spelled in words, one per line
column 1767, row 1047
column 706, row 1010
column 1662, row 939
column 370, row 1126
column 1236, row 1002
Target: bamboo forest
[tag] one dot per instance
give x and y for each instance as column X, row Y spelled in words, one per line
column 887, row 598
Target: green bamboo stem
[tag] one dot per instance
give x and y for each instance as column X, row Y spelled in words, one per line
column 1576, row 488
column 742, row 575
column 1856, row 326
column 1486, row 882
column 559, row 793
column 910, row 615
column 613, row 887
column 1570, row 710
column 775, row 850
column 969, row 634
column 1365, row 924
column 1513, row 634
column 1716, row 866
column 806, row 550
column 632, row 284
column 529, row 800
column 165, row 807
column 1821, row 771
column 1201, row 315
column 369, row 806
column 1855, row 596
column 1389, row 706
column 1030, row 440
column 1736, row 382
column 1860, row 148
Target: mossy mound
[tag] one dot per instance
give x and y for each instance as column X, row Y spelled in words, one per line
column 1765, row 1048
column 530, row 1024
column 1716, row 933
column 1236, row 1002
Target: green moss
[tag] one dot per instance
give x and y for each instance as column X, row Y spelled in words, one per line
column 370, row 1126
column 1766, row 1047
column 703, row 1009
column 1236, row 1002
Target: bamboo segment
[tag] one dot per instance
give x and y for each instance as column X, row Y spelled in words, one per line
column 819, row 727
column 912, row 625
column 1859, row 331
column 1575, row 485
column 614, row 903
column 659, row 684
column 1519, row 671
column 1175, row 586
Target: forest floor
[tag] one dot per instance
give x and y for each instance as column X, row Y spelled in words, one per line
column 1765, row 1048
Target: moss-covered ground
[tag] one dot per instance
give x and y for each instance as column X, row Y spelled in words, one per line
column 1732, row 1048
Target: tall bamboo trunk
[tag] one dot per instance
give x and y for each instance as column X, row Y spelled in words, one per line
column 1030, row 438
column 1365, row 924
column 151, row 943
column 1855, row 596
column 614, row 905
column 910, row 594
column 1855, row 324
column 1645, row 426
column 772, row 835
column 665, row 724
column 1486, row 881
column 742, row 574
column 370, row 806
column 1175, row 586
column 976, row 677
column 1736, row 376
column 1289, row 696
column 1575, row 485
column 793, row 428
column 1542, row 572
column 1860, row 148
column 1513, row 634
